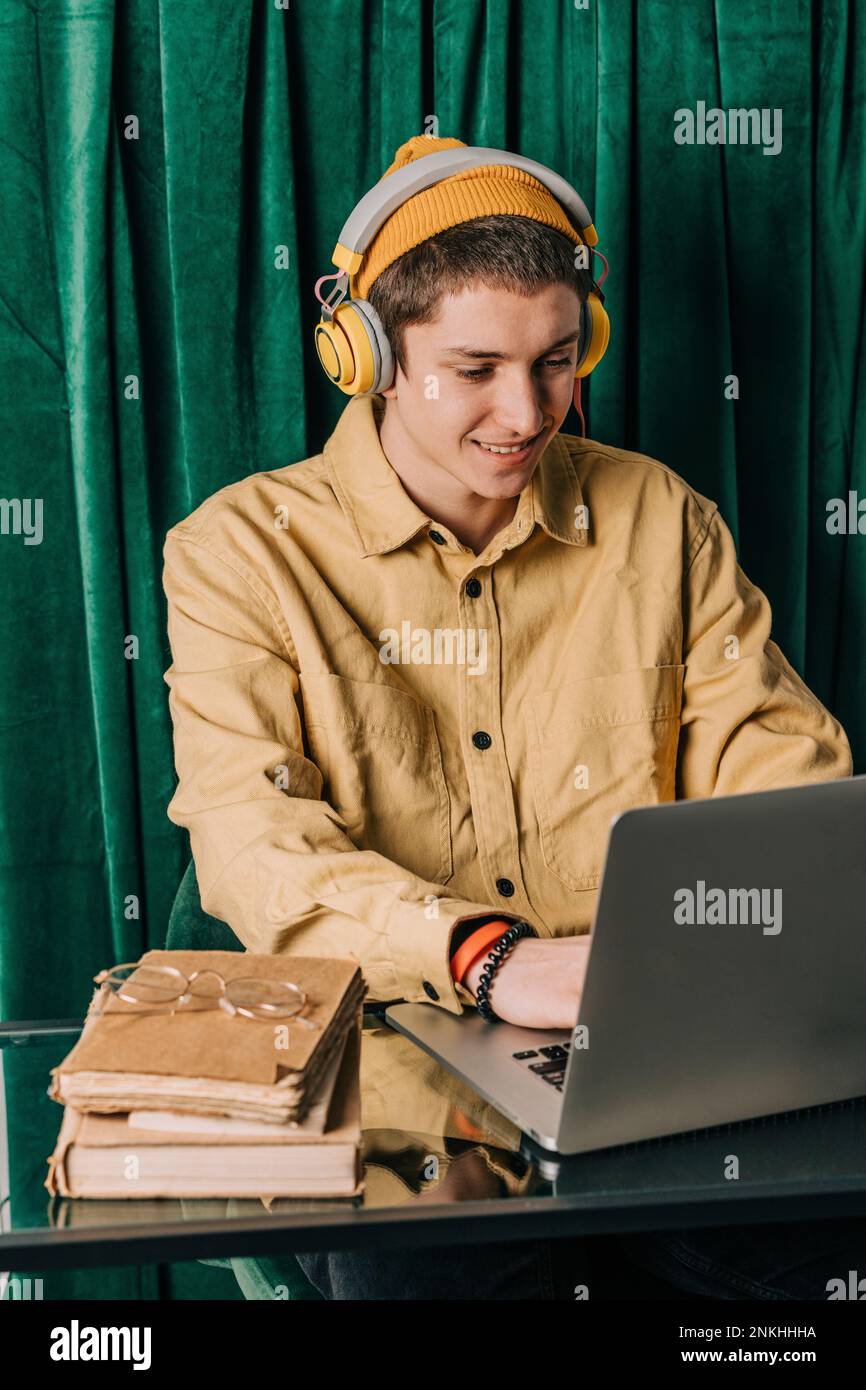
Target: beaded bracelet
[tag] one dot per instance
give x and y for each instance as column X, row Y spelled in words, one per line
column 495, row 959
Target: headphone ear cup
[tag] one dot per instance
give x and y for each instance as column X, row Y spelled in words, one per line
column 339, row 346
column 382, row 355
column 594, row 335
column 584, row 339
column 350, row 348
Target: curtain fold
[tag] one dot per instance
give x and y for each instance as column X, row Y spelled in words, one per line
column 175, row 176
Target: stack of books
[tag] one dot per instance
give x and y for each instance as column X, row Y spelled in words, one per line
column 199, row 1103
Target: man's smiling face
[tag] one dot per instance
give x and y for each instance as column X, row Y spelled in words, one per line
column 495, row 368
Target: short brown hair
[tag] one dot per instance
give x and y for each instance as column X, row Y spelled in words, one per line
column 502, row 251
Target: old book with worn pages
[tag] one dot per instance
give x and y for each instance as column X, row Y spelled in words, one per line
column 103, row 1156
column 202, row 1061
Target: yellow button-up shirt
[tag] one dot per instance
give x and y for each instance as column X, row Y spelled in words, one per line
column 379, row 734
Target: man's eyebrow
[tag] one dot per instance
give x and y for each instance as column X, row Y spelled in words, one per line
column 463, row 351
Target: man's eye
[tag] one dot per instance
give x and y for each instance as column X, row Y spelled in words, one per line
column 476, row 373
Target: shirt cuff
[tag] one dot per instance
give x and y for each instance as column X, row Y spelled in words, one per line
column 420, row 948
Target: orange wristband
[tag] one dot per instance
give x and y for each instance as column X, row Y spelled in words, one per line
column 475, row 944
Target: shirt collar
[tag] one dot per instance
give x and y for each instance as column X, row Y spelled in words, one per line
column 383, row 515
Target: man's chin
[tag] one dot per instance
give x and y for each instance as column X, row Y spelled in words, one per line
column 495, row 476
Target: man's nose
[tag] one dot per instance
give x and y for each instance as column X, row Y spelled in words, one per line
column 518, row 409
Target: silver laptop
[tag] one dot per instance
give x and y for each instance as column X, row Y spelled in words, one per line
column 726, row 978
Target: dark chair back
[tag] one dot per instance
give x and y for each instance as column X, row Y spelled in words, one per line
column 190, row 928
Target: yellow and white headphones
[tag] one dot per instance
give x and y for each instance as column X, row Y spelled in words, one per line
column 350, row 340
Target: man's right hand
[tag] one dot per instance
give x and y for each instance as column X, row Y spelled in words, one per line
column 539, row 983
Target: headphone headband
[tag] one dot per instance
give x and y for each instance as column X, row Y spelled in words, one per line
column 387, row 195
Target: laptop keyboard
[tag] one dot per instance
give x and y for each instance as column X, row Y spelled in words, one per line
column 547, row 1063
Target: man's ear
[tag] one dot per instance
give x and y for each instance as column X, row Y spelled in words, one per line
column 390, row 391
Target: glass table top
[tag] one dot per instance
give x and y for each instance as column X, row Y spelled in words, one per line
column 434, row 1153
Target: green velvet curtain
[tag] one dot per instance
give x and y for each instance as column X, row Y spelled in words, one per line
column 155, row 154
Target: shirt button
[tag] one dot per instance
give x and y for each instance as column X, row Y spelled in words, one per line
column 429, row 989
column 505, row 887
column 481, row 739
column 437, row 537
column 473, row 588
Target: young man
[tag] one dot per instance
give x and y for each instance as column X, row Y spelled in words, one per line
column 415, row 675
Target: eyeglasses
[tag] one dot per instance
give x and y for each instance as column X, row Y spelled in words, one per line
column 166, row 989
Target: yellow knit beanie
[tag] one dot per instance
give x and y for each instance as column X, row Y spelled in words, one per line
column 493, row 188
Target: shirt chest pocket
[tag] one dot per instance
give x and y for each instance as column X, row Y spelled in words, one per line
column 378, row 751
column 597, row 747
